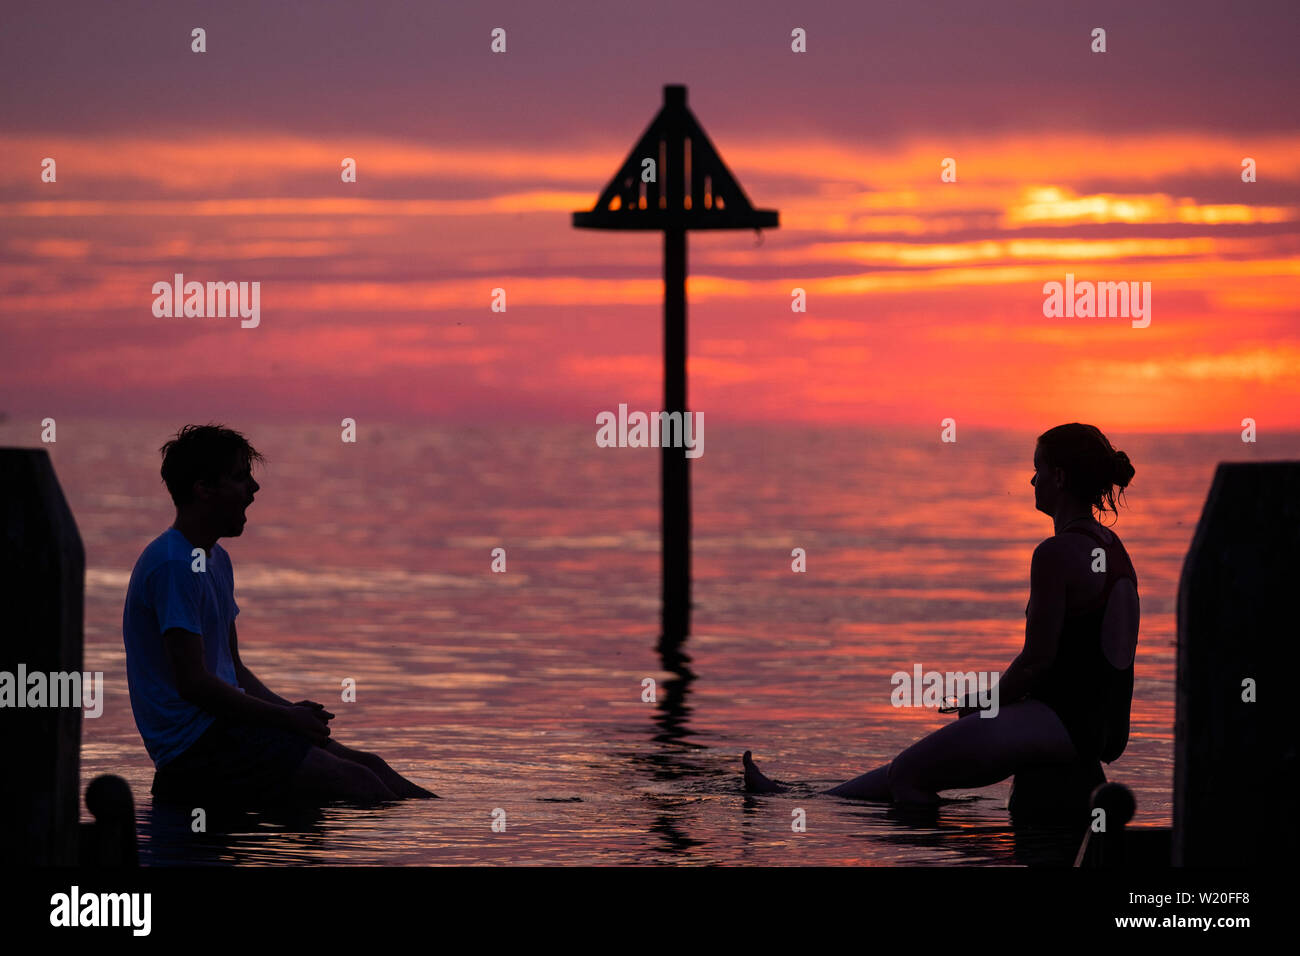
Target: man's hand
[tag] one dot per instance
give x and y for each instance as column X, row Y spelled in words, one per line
column 319, row 709
column 308, row 722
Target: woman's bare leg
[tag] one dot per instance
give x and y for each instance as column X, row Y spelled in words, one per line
column 872, row 785
column 869, row 786
column 971, row 752
column 755, row 781
column 977, row 751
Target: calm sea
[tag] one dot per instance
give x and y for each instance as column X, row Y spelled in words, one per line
column 522, row 692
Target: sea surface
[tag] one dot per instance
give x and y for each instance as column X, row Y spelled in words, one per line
column 520, row 694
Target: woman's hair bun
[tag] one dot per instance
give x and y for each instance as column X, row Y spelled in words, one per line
column 1123, row 469
column 1093, row 468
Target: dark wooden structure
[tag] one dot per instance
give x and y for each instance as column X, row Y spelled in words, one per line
column 42, row 581
column 692, row 189
column 1121, row 845
column 1235, row 761
column 42, row 586
column 1234, row 756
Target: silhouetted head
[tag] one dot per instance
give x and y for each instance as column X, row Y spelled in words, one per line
column 1077, row 465
column 108, row 798
column 209, row 473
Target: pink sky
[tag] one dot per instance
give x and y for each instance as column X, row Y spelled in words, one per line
column 925, row 298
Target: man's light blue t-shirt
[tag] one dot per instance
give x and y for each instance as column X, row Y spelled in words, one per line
column 164, row 593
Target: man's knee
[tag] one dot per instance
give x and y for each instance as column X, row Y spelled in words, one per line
column 325, row 773
column 372, row 762
column 367, row 785
column 363, row 757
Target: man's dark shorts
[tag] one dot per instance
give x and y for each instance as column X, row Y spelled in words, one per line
column 233, row 764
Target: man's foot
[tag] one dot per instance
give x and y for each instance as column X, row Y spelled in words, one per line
column 755, row 782
column 415, row 791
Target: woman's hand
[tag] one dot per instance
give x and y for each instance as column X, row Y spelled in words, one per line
column 959, row 706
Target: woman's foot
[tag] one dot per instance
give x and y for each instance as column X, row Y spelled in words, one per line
column 755, row 782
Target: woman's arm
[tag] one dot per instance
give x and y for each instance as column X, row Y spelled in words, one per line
column 1048, row 572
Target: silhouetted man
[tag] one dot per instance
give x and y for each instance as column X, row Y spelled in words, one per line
column 215, row 732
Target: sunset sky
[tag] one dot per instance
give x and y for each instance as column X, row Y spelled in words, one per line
column 925, row 298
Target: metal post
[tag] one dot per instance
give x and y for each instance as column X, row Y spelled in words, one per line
column 676, row 520
column 622, row 205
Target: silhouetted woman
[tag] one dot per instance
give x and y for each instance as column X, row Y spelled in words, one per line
column 1067, row 695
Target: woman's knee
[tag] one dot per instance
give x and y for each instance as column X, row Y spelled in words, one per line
column 904, row 772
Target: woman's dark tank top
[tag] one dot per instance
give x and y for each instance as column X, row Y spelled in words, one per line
column 1091, row 697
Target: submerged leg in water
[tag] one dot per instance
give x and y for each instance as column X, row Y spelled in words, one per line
column 972, row 752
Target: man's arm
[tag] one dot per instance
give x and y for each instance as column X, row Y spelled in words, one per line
column 198, row 686
column 247, row 679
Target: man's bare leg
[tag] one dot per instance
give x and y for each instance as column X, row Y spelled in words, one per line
column 391, row 779
column 324, row 776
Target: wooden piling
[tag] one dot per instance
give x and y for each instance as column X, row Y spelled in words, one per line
column 42, row 582
column 1235, row 760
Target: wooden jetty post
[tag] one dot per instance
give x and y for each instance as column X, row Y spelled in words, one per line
column 1234, row 756
column 691, row 188
column 42, row 581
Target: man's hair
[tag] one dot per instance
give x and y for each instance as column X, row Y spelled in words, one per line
column 202, row 453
